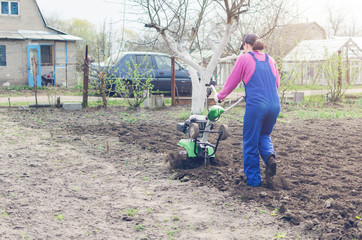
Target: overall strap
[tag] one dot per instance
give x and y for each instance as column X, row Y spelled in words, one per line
column 266, row 57
column 252, row 54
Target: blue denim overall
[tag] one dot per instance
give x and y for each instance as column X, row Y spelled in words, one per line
column 261, row 112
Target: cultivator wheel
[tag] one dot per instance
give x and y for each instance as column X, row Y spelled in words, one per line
column 224, row 132
column 194, row 131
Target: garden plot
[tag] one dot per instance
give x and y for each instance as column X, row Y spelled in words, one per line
column 101, row 174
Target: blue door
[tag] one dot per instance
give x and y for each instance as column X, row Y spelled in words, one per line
column 34, row 65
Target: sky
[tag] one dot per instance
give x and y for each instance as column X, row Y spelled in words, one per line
column 316, row 10
column 97, row 11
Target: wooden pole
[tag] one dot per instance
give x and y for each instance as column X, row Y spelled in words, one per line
column 173, row 83
column 85, row 78
column 34, row 62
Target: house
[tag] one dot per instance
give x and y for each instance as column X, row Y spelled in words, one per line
column 308, row 57
column 30, row 49
column 284, row 38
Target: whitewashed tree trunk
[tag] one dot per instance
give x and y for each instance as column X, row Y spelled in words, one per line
column 198, row 86
column 199, row 95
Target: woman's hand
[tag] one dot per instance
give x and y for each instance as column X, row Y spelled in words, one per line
column 216, row 99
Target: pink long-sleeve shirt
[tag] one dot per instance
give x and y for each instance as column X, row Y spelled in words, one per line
column 243, row 71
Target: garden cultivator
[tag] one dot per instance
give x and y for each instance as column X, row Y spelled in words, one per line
column 197, row 128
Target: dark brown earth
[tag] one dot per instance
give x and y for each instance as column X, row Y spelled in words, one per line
column 316, row 192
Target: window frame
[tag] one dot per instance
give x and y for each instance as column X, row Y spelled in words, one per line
column 2, row 55
column 10, row 10
column 47, row 53
column 144, row 61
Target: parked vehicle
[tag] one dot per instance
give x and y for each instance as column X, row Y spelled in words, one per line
column 158, row 65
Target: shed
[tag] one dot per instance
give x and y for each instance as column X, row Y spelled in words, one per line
column 30, row 49
column 308, row 56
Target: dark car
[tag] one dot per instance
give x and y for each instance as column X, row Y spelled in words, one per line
column 157, row 64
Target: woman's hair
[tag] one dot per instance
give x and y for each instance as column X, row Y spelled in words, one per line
column 258, row 45
column 253, row 40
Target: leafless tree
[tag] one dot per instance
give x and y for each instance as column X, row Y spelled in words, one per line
column 335, row 19
column 187, row 25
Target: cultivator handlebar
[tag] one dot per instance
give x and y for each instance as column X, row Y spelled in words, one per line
column 211, row 88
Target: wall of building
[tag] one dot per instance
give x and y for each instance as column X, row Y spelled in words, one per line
column 65, row 67
column 16, row 68
column 29, row 18
column 15, row 73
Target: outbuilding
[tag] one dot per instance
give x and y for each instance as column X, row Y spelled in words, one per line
column 31, row 52
column 308, row 58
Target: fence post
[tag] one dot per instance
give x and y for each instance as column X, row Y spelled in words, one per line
column 35, row 64
column 85, row 78
column 173, row 81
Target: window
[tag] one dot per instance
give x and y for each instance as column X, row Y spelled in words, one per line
column 46, row 55
column 11, row 8
column 14, row 8
column 2, row 55
column 144, row 61
column 164, row 63
column 4, row 8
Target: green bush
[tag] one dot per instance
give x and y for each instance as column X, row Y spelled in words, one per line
column 134, row 88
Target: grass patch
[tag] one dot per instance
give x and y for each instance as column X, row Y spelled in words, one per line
column 15, row 104
column 116, row 102
column 184, row 115
column 140, row 227
column 319, row 111
column 327, row 114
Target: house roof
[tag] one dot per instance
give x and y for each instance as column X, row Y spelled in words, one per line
column 318, row 50
column 284, row 38
column 36, row 35
column 301, row 28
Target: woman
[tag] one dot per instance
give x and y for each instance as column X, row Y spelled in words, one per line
column 260, row 76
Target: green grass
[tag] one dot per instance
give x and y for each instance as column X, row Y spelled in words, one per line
column 182, row 116
column 308, row 87
column 15, row 104
column 140, row 227
column 130, row 212
column 59, row 216
column 327, row 114
column 116, row 102
column 18, row 88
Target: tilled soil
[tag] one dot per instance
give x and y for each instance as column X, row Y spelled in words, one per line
column 316, row 193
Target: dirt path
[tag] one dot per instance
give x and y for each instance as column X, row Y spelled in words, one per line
column 92, row 175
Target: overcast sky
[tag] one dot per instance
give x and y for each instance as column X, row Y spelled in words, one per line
column 96, row 11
